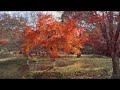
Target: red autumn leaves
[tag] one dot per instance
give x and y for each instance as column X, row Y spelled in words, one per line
column 54, row 36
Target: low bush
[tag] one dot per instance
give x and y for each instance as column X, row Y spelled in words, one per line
column 81, row 74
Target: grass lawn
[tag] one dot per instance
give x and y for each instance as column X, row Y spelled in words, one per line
column 70, row 67
column 9, row 68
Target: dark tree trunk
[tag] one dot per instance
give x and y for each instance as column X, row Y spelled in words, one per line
column 79, row 55
column 115, row 63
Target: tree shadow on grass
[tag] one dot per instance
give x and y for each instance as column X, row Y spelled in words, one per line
column 11, row 62
column 9, row 68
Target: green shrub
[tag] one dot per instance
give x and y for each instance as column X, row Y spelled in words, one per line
column 81, row 74
column 43, row 75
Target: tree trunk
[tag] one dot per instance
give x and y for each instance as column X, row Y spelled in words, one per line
column 79, row 55
column 115, row 63
column 54, row 64
column 28, row 62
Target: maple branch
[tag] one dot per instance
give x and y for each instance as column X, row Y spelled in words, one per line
column 118, row 30
column 104, row 33
column 110, row 21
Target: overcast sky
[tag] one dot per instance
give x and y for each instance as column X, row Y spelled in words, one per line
column 54, row 13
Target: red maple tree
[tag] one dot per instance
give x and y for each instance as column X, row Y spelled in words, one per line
column 54, row 36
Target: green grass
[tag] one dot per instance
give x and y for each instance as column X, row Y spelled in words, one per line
column 86, row 67
column 67, row 67
column 9, row 68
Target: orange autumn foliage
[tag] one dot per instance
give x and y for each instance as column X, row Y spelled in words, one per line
column 54, row 35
